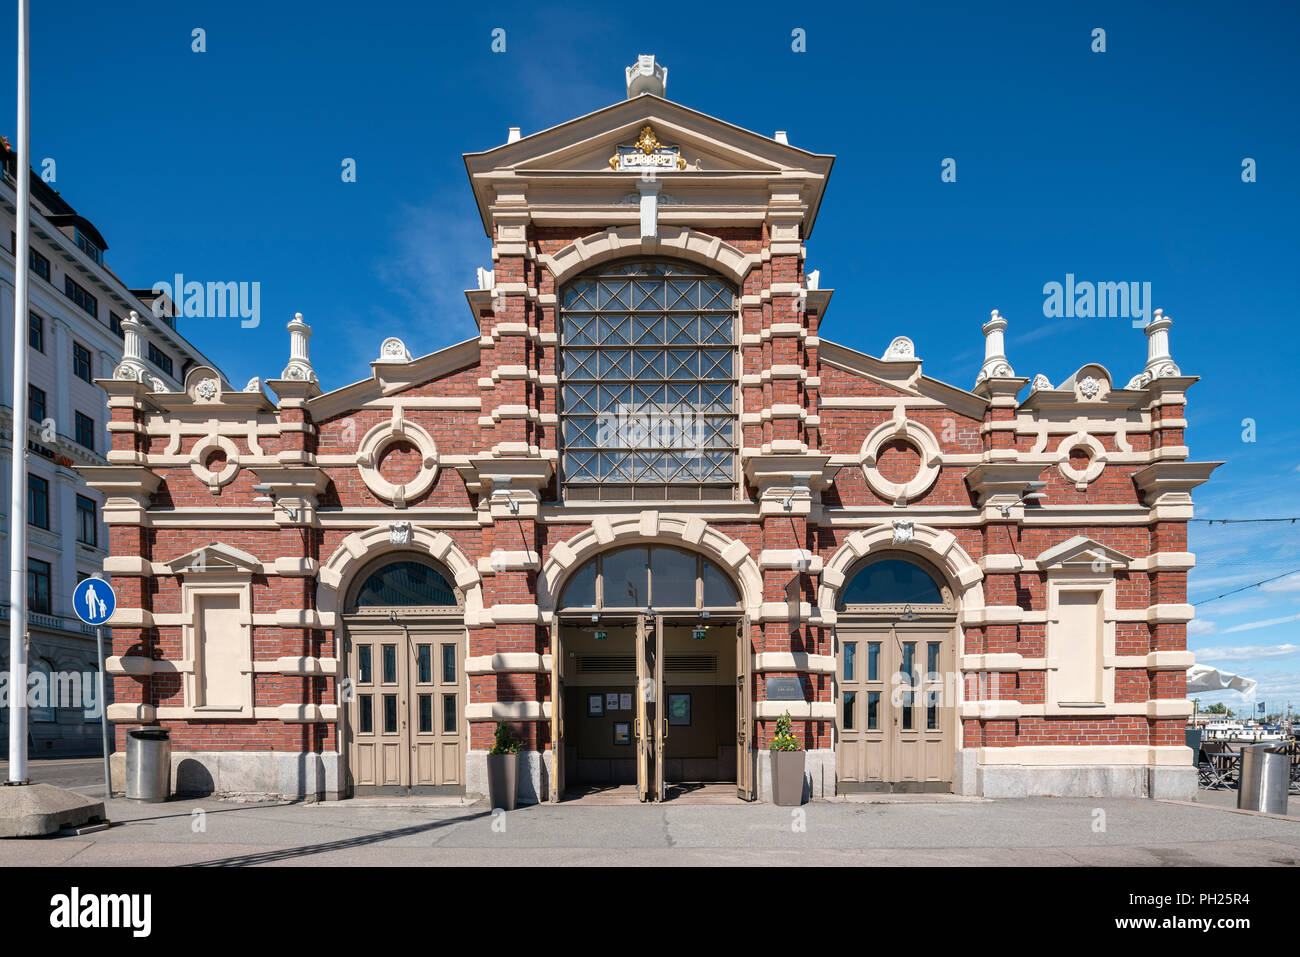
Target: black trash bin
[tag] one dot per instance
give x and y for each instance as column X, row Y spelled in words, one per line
column 148, row 765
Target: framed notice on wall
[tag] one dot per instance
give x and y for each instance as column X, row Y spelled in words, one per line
column 611, row 701
column 622, row 732
column 595, row 706
column 679, row 709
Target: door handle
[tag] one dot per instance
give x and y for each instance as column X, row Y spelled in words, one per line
column 636, row 727
column 663, row 734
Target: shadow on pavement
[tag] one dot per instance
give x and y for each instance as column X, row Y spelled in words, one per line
column 290, row 853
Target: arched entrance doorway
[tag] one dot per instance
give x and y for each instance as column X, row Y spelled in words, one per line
column 405, row 694
column 896, row 718
column 650, row 683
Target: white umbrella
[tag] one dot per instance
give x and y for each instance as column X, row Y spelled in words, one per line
column 1208, row 678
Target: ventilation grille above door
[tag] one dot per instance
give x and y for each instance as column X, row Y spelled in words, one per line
column 624, row 664
column 696, row 663
column 606, row 664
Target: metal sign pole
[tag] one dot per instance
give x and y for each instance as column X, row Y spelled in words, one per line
column 103, row 710
column 18, row 451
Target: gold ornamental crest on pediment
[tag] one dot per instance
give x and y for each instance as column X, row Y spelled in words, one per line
column 647, row 153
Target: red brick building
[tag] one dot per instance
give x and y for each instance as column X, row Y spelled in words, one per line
column 648, row 510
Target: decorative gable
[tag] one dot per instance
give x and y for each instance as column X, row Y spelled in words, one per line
column 1083, row 552
column 215, row 559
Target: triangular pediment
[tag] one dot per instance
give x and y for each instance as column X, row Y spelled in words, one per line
column 215, row 558
column 570, row 163
column 588, row 142
column 1083, row 552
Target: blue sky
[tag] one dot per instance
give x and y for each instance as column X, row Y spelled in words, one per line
column 1115, row 166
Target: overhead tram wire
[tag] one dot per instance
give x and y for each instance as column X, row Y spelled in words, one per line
column 1205, row 601
column 1242, row 521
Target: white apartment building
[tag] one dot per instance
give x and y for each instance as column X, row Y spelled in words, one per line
column 74, row 337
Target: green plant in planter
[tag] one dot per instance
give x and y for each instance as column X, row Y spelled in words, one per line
column 504, row 742
column 785, row 739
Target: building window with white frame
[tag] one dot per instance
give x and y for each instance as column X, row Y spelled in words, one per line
column 38, row 586
column 81, row 363
column 85, row 426
column 38, row 501
column 87, row 522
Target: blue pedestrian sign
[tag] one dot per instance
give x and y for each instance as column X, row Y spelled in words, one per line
column 93, row 601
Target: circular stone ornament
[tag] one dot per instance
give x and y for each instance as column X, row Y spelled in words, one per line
column 370, row 454
column 913, row 433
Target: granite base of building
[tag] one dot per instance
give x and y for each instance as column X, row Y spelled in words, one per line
column 246, row 774
column 1108, row 781
column 818, row 777
column 534, row 782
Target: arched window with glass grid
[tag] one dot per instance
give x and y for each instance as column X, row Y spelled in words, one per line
column 648, row 380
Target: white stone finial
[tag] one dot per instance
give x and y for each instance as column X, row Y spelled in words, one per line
column 1160, row 363
column 132, row 366
column 299, row 366
column 781, row 137
column 995, row 355
column 393, row 350
column 512, row 135
column 900, row 349
column 646, row 76
column 486, row 278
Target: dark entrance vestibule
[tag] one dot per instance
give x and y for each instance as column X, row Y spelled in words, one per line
column 650, row 662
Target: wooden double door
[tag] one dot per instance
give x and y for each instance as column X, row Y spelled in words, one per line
column 405, row 695
column 896, row 719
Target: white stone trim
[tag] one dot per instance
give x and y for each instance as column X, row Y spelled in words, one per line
column 805, row 710
column 1097, row 459
column 935, row 545
column 676, row 241
column 508, row 711
column 204, row 447
column 901, row 429
column 359, row 548
column 794, row 661
column 647, row 527
column 1086, row 754
column 379, row 438
column 508, row 662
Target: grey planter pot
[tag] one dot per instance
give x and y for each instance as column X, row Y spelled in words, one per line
column 787, row 777
column 503, row 780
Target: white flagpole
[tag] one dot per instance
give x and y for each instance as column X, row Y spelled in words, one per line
column 18, row 463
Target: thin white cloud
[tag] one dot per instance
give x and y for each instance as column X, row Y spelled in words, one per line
column 1246, row 652
column 1288, row 584
column 1267, row 623
column 1201, row 626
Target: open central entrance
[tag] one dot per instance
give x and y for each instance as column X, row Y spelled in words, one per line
column 650, row 703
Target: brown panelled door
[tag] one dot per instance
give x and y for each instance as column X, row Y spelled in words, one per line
column 406, row 727
column 557, row 712
column 744, row 715
column 895, row 719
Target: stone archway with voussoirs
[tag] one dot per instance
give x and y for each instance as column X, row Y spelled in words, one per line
column 358, row 553
column 691, row 533
column 674, row 242
column 939, row 547
column 911, row 754
column 360, row 549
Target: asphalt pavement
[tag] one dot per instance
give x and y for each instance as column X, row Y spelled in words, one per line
column 1030, row 831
